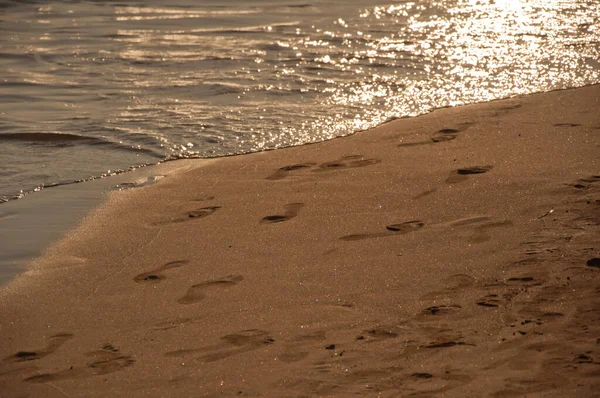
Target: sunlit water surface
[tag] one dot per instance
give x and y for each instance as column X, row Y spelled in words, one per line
column 93, row 87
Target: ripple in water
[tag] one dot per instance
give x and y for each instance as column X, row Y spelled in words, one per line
column 179, row 79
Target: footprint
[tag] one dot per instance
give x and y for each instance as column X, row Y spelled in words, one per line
column 566, row 125
column 104, row 361
column 55, row 342
column 593, row 262
column 197, row 292
column 440, row 310
column 203, row 212
column 510, row 107
column 446, row 134
column 156, row 275
column 444, row 344
column 382, row 332
column 425, row 193
column 460, row 175
column 523, row 279
column 194, row 214
column 395, row 229
column 285, row 171
column 420, row 375
column 586, row 183
column 491, row 300
column 350, row 161
column 204, row 198
column 291, row 211
column 405, row 227
column 442, row 135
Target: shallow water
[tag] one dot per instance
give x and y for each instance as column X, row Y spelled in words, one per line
column 93, row 87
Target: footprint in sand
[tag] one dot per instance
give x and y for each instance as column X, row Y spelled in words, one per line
column 566, row 125
column 586, row 183
column 593, row 262
column 445, row 344
column 191, row 215
column 104, row 361
column 350, row 161
column 291, row 211
column 53, row 344
column 157, row 275
column 425, row 193
column 460, row 175
column 510, row 107
column 491, row 300
column 442, row 135
column 232, row 344
column 197, row 292
column 440, row 310
column 381, row 332
column 394, row 229
column 286, row 170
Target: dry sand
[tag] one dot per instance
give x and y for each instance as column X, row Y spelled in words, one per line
column 454, row 254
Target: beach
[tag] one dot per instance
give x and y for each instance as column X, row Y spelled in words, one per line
column 451, row 254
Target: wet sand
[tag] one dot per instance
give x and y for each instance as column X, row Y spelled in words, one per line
column 454, row 254
column 29, row 225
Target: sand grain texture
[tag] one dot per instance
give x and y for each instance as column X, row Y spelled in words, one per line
column 453, row 254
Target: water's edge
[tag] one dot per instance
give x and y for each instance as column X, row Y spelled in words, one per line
column 29, row 225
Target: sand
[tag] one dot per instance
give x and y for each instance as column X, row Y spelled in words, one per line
column 454, row 254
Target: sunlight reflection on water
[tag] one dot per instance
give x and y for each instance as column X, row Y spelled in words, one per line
column 186, row 80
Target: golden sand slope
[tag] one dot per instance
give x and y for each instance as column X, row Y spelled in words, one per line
column 453, row 254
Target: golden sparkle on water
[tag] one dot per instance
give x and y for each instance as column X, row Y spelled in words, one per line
column 205, row 90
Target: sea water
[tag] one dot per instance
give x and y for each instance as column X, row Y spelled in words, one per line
column 93, row 88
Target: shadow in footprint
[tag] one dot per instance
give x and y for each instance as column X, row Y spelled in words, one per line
column 461, row 175
column 425, row 193
column 104, row 361
column 53, row 344
column 394, row 229
column 593, row 262
column 442, row 135
column 192, row 215
column 566, row 125
column 586, row 183
column 197, row 292
column 491, row 300
column 156, row 275
column 440, row 310
column 345, row 162
column 291, row 211
column 445, row 344
column 285, row 171
column 381, row 332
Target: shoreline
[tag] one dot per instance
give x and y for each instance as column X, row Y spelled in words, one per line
column 30, row 224
column 431, row 255
column 82, row 200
